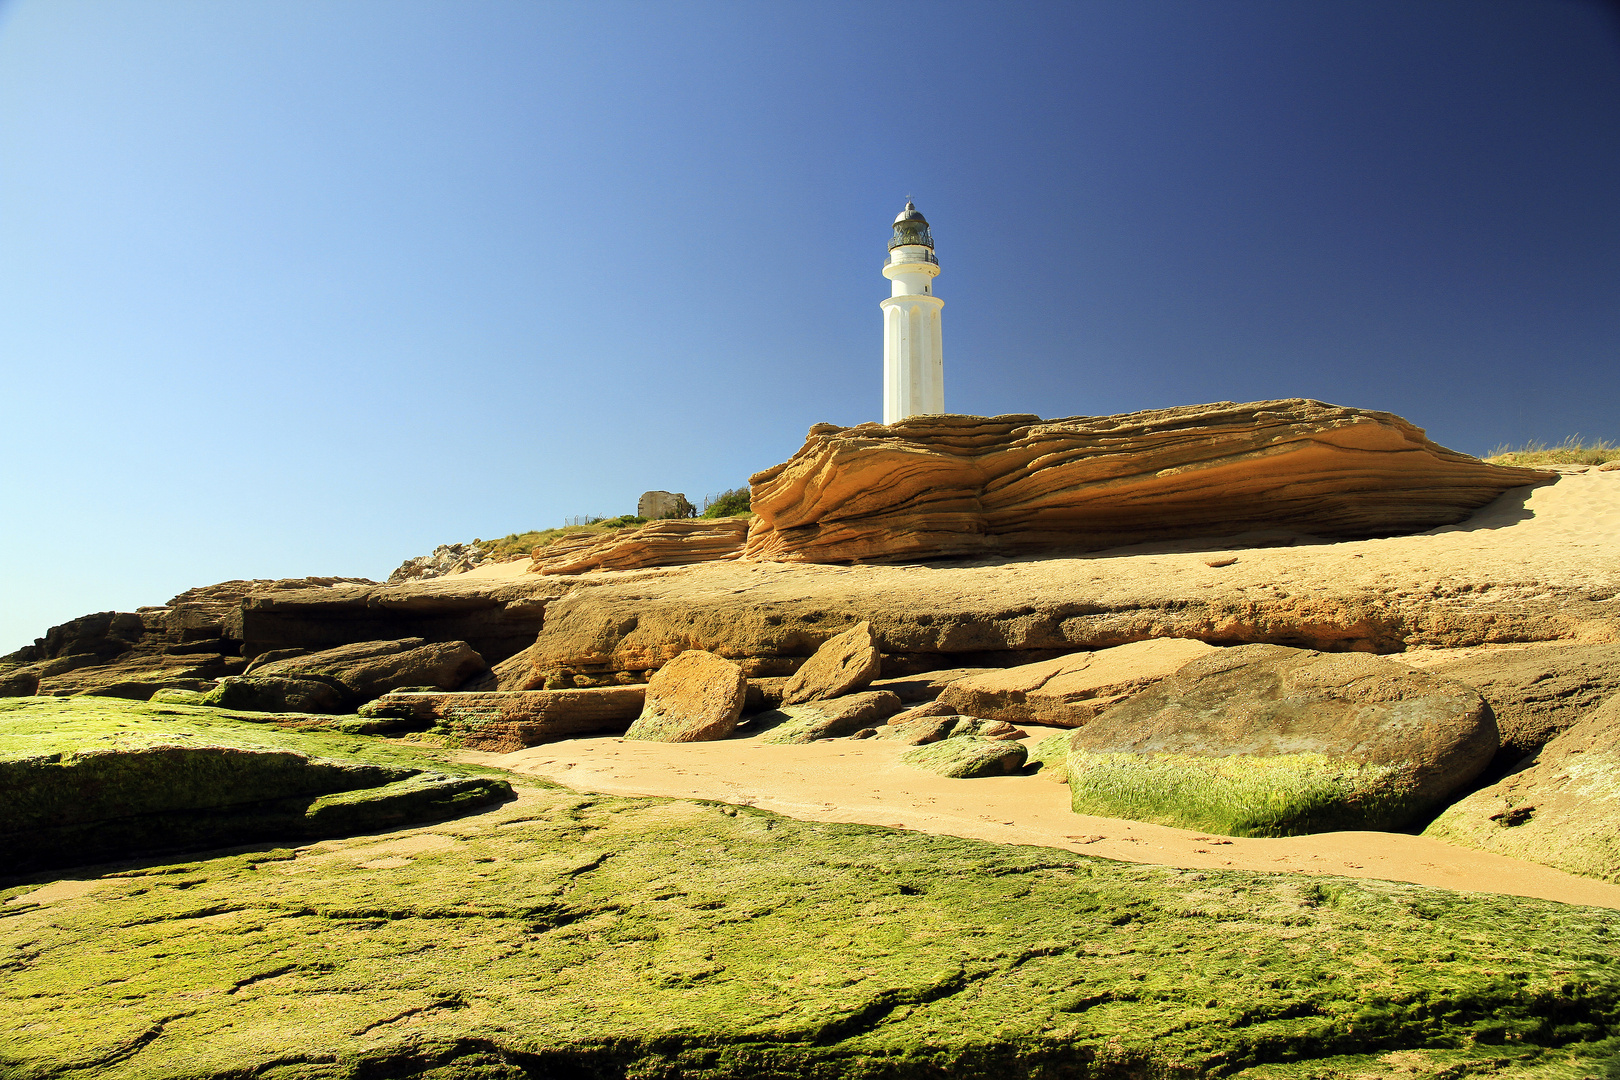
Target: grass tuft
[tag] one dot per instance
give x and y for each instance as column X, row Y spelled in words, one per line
column 1572, row 451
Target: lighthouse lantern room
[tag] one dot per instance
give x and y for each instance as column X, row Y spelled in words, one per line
column 913, row 365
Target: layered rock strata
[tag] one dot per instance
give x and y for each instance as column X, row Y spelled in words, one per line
column 675, row 542
column 949, row 486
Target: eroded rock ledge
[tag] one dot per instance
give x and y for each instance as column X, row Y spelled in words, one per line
column 939, row 486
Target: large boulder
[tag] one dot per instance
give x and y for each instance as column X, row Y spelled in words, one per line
column 368, row 669
column 1071, row 690
column 933, row 486
column 967, row 756
column 828, row 719
column 1264, row 740
column 675, row 542
column 696, row 697
column 1563, row 810
column 275, row 693
column 843, row 663
column 1539, row 692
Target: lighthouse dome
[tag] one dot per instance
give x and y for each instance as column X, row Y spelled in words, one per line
column 911, row 228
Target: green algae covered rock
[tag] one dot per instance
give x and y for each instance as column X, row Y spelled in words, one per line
column 966, row 756
column 83, row 780
column 275, row 693
column 1563, row 810
column 573, row 935
column 1264, row 740
column 829, row 719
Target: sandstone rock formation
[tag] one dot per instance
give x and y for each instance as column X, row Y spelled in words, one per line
column 1071, row 690
column 1563, row 810
column 944, row 486
column 696, row 697
column 932, row 728
column 828, row 719
column 1536, row 565
column 967, row 756
column 354, row 673
column 658, row 543
column 1538, row 693
column 654, row 505
column 275, row 693
column 503, row 721
column 1263, row 740
column 843, row 663
column 368, row 669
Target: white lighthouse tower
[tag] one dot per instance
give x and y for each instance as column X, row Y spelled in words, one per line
column 913, row 365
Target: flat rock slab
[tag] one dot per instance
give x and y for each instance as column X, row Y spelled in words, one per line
column 841, row 664
column 830, row 719
column 1562, row 811
column 967, row 756
column 501, row 721
column 1264, row 740
column 932, row 486
column 1071, row 690
column 696, row 697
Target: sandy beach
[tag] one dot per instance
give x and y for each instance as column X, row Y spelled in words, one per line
column 863, row 781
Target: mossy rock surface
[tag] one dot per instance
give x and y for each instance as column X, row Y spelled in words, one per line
column 567, row 935
column 1264, row 740
column 1562, row 810
column 90, row 779
column 965, row 756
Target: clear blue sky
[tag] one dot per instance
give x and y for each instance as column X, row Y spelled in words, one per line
column 309, row 288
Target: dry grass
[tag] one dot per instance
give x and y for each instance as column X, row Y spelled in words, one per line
column 1572, row 451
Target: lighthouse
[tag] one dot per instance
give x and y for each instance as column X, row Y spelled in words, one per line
column 913, row 365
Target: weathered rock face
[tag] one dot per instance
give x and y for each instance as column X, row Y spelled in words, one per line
column 828, row 719
column 503, row 721
column 368, row 669
column 967, row 756
column 1563, row 810
column 932, row 728
column 1263, row 740
column 275, row 693
column 843, row 663
column 1071, row 690
column 1538, row 693
column 663, row 504
column 941, row 486
column 658, row 543
column 696, row 697
column 446, row 559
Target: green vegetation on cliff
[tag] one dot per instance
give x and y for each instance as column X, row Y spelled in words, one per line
column 570, row 935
